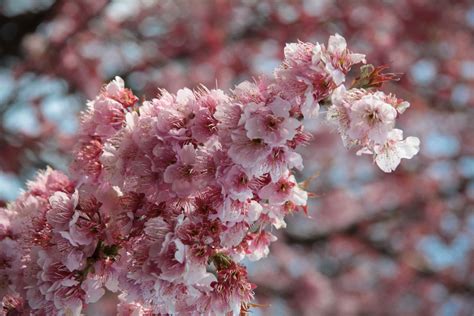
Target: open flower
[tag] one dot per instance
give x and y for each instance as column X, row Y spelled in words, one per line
column 61, row 210
column 271, row 123
column 237, row 184
column 247, row 152
column 258, row 245
column 389, row 155
column 183, row 175
column 337, row 58
column 371, row 117
column 285, row 189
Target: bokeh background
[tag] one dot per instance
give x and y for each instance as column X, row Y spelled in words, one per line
column 374, row 244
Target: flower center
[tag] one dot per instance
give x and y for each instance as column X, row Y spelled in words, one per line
column 372, row 117
column 187, row 170
column 272, row 122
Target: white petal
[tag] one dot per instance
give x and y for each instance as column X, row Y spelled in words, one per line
column 409, row 147
column 357, row 58
column 280, row 107
column 184, row 96
column 310, row 108
column 402, row 107
column 336, row 43
column 254, row 211
column 299, row 196
column 294, row 160
column 395, row 134
column 290, row 49
column 388, row 160
column 337, row 75
column 74, row 260
column 179, row 254
column 93, row 289
column 317, row 52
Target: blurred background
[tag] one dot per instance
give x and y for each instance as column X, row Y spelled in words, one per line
column 375, row 244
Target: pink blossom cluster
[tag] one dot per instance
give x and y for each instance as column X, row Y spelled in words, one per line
column 367, row 119
column 52, row 255
column 169, row 196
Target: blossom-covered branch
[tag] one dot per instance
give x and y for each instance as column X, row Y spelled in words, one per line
column 168, row 196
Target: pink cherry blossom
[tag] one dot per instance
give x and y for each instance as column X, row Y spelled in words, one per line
column 389, row 155
column 371, row 117
column 169, row 197
column 93, row 290
column 62, row 209
column 258, row 245
column 337, row 58
column 285, row 189
column 272, row 123
column 183, row 175
column 237, row 184
column 247, row 152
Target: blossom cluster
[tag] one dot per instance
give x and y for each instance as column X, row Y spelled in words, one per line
column 367, row 119
column 168, row 197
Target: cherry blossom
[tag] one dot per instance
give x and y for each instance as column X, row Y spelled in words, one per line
column 169, row 197
column 272, row 124
column 372, row 118
column 389, row 155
